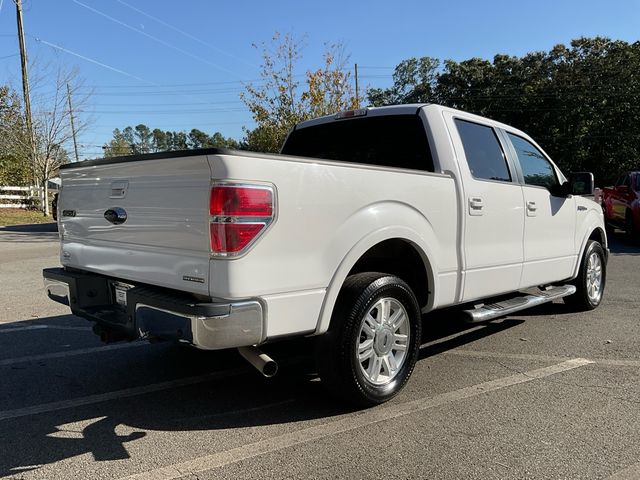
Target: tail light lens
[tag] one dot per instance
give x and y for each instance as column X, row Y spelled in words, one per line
column 228, row 200
column 239, row 215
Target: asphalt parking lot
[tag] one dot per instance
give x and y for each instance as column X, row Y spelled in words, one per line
column 545, row 394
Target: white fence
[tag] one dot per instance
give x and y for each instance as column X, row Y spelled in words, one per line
column 20, row 197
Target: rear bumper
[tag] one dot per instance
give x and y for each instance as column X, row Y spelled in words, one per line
column 152, row 312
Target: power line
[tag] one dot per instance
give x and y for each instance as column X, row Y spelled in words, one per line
column 186, row 34
column 122, row 72
column 169, row 93
column 179, row 126
column 228, row 102
column 162, row 112
column 200, row 84
column 103, row 65
column 154, row 38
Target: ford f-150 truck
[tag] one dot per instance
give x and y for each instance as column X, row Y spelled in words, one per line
column 367, row 219
column 621, row 204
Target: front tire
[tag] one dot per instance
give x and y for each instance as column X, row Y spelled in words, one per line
column 630, row 227
column 371, row 348
column 591, row 279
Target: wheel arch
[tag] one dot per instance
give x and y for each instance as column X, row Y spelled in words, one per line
column 366, row 254
column 594, row 232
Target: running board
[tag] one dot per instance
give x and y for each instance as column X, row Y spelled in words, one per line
column 488, row 312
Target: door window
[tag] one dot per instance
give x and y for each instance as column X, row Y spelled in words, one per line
column 483, row 151
column 537, row 170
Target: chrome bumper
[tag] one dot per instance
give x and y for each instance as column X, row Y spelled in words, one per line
column 158, row 313
column 240, row 326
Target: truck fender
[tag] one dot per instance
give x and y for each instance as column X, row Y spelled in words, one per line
column 385, row 218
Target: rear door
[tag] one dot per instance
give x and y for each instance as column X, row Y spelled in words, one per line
column 550, row 221
column 145, row 221
column 493, row 210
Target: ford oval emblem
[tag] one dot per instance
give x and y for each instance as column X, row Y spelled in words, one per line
column 116, row 215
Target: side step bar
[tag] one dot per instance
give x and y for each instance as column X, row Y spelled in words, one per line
column 488, row 312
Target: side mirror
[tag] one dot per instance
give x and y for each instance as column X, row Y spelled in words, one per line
column 581, row 183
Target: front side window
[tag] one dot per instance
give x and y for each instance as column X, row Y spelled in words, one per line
column 483, row 151
column 537, row 170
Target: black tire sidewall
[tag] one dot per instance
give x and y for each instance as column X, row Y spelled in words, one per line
column 393, row 287
column 592, row 247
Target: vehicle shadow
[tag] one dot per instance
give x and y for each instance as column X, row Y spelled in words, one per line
column 33, row 435
column 32, row 233
column 620, row 244
column 447, row 329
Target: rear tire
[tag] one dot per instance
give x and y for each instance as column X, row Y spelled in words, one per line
column 371, row 348
column 591, row 279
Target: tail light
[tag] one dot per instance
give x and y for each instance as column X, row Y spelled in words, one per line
column 239, row 214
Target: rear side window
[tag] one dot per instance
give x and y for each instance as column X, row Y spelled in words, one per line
column 390, row 140
column 537, row 170
column 637, row 183
column 483, row 151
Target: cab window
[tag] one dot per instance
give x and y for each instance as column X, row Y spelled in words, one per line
column 536, row 169
column 482, row 149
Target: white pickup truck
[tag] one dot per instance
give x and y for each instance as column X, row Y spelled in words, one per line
column 367, row 219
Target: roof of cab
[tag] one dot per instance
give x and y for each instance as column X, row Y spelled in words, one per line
column 407, row 109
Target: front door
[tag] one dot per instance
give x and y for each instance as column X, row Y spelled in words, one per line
column 550, row 221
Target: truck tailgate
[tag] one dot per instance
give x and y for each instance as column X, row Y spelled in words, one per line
column 164, row 239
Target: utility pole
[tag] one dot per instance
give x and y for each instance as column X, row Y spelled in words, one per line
column 25, row 93
column 357, row 89
column 73, row 127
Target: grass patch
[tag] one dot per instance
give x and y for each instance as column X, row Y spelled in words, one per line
column 18, row 216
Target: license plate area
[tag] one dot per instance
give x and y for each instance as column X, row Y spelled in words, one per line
column 119, row 291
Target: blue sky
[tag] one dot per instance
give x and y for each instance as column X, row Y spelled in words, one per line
column 184, row 68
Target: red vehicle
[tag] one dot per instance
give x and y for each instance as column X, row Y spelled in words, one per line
column 621, row 204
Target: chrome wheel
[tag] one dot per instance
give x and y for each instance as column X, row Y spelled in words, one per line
column 594, row 278
column 382, row 341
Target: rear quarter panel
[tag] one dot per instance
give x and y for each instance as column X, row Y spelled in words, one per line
column 328, row 215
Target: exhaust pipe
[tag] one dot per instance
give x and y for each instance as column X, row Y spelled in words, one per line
column 266, row 365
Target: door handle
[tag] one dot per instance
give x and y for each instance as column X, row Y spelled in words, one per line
column 475, row 206
column 531, row 206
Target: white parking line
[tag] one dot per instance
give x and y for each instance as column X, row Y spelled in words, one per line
column 22, row 329
column 630, row 473
column 70, row 353
column 344, row 424
column 118, row 394
column 539, row 358
column 64, row 327
column 43, row 327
